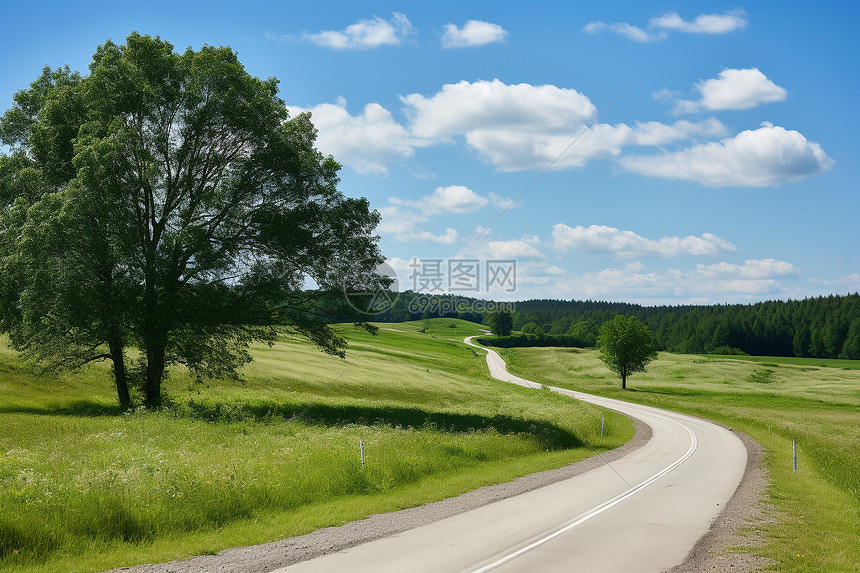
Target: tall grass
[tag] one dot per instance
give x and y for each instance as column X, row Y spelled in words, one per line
column 776, row 402
column 84, row 486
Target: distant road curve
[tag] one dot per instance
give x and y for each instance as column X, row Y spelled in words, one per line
column 643, row 512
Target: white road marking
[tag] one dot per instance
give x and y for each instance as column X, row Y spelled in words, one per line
column 603, row 506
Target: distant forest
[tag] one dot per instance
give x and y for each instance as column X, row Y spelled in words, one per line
column 822, row 327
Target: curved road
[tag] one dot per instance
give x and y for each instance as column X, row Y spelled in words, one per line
column 643, row 512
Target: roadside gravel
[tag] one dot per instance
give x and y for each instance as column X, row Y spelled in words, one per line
column 721, row 548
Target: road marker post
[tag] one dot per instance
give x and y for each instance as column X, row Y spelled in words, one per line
column 794, row 453
column 361, row 447
column 602, row 424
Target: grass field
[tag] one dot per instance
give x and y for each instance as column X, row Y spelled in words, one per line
column 796, row 361
column 86, row 487
column 773, row 400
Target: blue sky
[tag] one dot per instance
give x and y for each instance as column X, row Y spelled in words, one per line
column 726, row 172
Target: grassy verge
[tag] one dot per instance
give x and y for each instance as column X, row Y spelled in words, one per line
column 85, row 487
column 774, row 401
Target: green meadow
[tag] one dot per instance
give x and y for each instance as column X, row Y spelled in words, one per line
column 814, row 402
column 87, row 487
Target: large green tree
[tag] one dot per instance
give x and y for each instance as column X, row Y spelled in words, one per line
column 166, row 201
column 626, row 346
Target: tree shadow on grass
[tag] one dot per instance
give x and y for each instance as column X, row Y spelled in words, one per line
column 549, row 435
column 669, row 391
column 82, row 408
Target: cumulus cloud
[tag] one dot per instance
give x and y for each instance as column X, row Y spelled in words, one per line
column 599, row 239
column 850, row 282
column 473, row 33
column 402, row 226
column 734, row 89
column 413, row 233
column 464, row 107
column 517, row 149
column 721, row 282
column 752, row 269
column 703, row 23
column 454, row 199
column 450, row 199
column 521, row 126
column 401, row 217
column 768, row 156
column 365, row 34
column 513, row 249
column 365, row 142
column 627, row 30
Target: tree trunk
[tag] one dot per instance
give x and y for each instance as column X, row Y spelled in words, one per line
column 154, row 341
column 154, row 374
column 623, row 381
column 117, row 352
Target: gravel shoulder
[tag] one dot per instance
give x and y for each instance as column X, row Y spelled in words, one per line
column 713, row 552
column 721, row 548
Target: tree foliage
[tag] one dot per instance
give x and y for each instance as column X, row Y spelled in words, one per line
column 818, row 327
column 168, row 202
column 626, row 346
column 501, row 323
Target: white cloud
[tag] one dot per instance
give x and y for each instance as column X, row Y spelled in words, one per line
column 366, row 34
column 465, row 107
column 402, row 216
column 455, row 199
column 734, row 89
column 665, row 95
column 520, row 126
column 518, row 149
column 501, row 202
column 366, row 142
column 723, row 282
column 850, row 282
column 752, row 269
column 450, row 199
column 524, row 248
column 402, row 226
column 599, row 239
column 703, row 23
column 555, row 270
column 768, row 156
column 473, row 33
column 627, row 30
column 394, row 218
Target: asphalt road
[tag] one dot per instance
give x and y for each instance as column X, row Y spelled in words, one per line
column 643, row 512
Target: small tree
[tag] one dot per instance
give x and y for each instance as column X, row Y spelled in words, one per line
column 626, row 346
column 528, row 328
column 501, row 323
